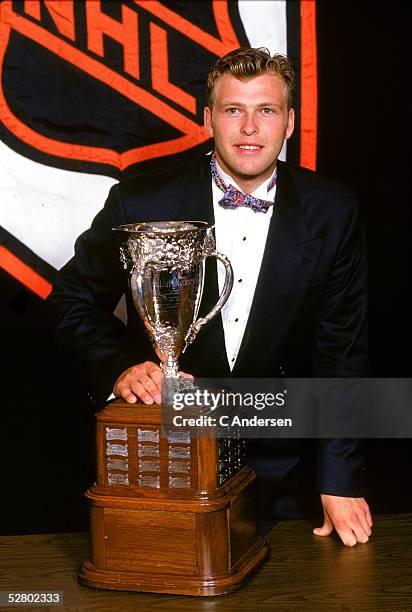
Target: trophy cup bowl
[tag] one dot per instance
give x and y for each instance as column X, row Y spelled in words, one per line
column 166, row 265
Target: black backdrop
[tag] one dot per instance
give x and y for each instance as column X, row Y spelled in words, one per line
column 364, row 99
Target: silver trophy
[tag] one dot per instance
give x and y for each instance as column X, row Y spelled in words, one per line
column 166, row 262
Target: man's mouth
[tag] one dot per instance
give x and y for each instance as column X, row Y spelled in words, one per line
column 249, row 147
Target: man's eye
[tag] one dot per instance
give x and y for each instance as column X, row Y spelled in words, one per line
column 267, row 111
column 232, row 110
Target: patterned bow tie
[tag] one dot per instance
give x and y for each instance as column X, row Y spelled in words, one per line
column 233, row 198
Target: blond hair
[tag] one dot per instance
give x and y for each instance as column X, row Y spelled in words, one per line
column 247, row 62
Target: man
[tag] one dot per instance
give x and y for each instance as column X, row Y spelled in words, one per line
column 298, row 307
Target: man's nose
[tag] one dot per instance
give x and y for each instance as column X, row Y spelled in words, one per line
column 249, row 125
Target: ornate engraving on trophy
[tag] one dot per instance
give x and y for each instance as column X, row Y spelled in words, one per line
column 166, row 262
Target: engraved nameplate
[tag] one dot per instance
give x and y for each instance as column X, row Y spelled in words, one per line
column 148, row 450
column 117, row 479
column 179, row 483
column 116, row 434
column 181, row 437
column 179, row 466
column 117, row 449
column 118, row 464
column 152, row 482
column 179, row 452
column 148, row 435
column 149, row 466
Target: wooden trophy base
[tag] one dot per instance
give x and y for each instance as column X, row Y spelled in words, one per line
column 175, row 584
column 199, row 541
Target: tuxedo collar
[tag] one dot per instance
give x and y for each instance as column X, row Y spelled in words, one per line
column 288, row 207
column 197, row 203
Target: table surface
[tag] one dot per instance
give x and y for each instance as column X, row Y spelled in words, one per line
column 305, row 573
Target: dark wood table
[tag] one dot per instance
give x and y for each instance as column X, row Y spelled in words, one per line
column 304, row 574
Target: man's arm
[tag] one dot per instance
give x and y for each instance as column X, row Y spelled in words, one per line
column 84, row 297
column 340, row 350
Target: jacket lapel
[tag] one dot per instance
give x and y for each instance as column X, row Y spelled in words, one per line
column 196, row 204
column 288, row 264
column 206, row 357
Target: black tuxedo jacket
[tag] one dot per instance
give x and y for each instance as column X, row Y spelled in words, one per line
column 308, row 316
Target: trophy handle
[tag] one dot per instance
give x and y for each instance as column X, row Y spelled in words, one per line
column 224, row 296
column 136, row 281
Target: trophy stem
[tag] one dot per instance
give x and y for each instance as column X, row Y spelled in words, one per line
column 169, row 367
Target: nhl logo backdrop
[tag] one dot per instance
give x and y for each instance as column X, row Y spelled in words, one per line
column 92, row 91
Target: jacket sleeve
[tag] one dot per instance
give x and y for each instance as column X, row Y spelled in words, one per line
column 84, row 297
column 340, row 351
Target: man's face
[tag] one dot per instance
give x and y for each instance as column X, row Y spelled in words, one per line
column 249, row 121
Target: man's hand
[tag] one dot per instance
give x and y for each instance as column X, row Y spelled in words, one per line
column 350, row 516
column 143, row 381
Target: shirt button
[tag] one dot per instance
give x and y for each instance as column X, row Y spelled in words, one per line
column 236, row 320
column 244, row 238
column 240, row 280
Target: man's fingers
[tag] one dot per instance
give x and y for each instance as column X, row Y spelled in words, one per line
column 365, row 524
column 368, row 517
column 346, row 535
column 156, row 375
column 130, row 392
column 326, row 528
column 361, row 534
column 127, row 394
column 149, row 390
column 361, row 522
column 350, row 534
column 143, row 381
column 186, row 375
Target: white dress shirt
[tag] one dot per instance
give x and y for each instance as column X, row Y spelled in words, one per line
column 240, row 235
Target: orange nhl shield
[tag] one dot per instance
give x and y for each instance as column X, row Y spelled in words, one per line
column 110, row 84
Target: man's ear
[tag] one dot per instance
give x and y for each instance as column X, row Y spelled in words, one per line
column 291, row 123
column 207, row 117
